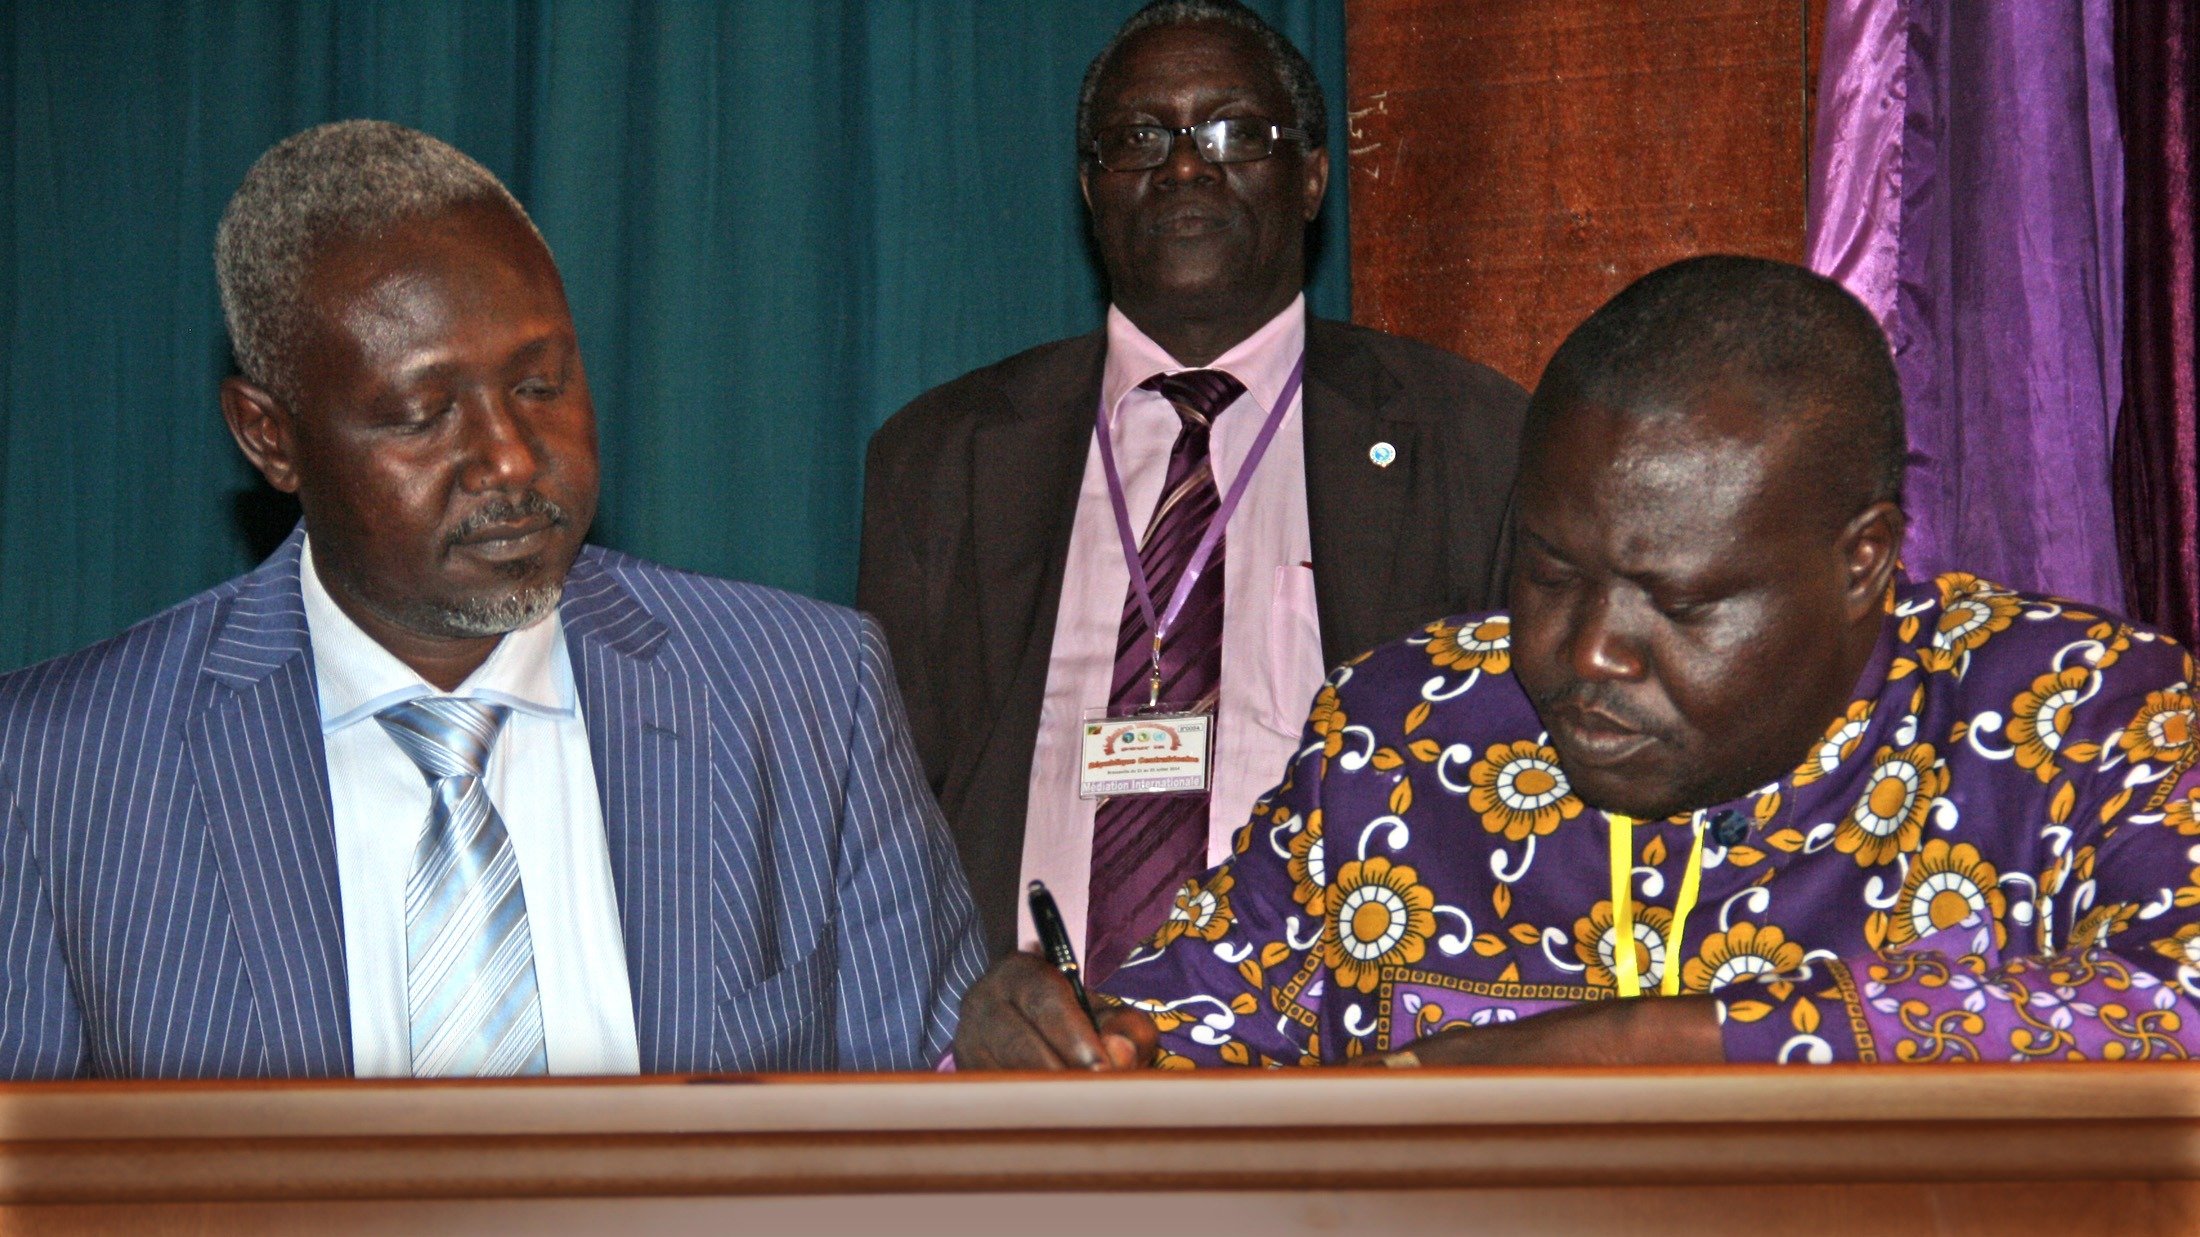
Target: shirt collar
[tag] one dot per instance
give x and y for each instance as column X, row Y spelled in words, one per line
column 1262, row 360
column 528, row 670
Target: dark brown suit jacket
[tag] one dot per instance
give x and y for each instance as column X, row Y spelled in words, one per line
column 971, row 490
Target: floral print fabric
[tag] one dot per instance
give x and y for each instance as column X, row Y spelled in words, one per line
column 1990, row 855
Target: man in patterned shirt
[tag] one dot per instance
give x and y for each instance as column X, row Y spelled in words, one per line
column 1721, row 751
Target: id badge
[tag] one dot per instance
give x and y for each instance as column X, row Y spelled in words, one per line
column 1157, row 752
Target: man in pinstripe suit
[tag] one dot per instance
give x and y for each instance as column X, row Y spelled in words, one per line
column 437, row 789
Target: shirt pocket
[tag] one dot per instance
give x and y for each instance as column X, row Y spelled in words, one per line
column 1294, row 649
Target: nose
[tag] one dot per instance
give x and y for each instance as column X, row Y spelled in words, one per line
column 1185, row 163
column 503, row 453
column 1599, row 648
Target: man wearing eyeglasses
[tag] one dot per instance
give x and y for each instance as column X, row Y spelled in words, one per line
column 1112, row 569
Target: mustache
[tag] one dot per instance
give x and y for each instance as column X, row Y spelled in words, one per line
column 1583, row 697
column 528, row 506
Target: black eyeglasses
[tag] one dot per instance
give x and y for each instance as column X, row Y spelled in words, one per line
column 1233, row 139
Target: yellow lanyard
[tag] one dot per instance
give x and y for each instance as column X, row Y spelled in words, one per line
column 1626, row 972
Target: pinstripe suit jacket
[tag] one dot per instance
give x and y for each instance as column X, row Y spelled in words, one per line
column 168, row 897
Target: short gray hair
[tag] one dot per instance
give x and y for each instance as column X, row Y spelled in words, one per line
column 331, row 181
column 1310, row 111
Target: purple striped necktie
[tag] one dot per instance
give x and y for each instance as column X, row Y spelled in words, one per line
column 1145, row 846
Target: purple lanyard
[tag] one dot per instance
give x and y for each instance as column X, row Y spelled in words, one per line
column 1142, row 588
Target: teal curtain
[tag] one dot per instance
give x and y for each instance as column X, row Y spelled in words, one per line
column 778, row 220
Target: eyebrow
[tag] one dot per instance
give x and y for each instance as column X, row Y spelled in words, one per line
column 525, row 354
column 1648, row 580
column 534, row 349
column 1218, row 98
column 1526, row 535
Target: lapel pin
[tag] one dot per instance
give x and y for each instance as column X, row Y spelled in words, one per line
column 1383, row 454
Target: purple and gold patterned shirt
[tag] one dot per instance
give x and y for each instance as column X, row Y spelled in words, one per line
column 1989, row 856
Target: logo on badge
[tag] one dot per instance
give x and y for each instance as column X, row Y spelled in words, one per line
column 1152, row 737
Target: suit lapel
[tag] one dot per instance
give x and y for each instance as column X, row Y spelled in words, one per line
column 1352, row 506
column 262, row 771
column 650, row 743
column 1026, row 467
column 1027, row 463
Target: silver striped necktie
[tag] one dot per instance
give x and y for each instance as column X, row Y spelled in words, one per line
column 470, row 960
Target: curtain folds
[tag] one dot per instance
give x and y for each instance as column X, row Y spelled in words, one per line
column 2157, row 473
column 1967, row 184
column 1855, row 209
column 778, row 221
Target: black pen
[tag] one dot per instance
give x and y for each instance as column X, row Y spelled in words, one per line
column 1054, row 941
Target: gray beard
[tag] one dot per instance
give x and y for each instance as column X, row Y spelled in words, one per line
column 485, row 616
column 495, row 616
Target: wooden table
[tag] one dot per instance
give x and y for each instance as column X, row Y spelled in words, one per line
column 1882, row 1149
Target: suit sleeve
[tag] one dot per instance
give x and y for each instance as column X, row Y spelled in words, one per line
column 41, row 1029
column 1497, row 588
column 890, row 587
column 1491, row 421
column 909, row 940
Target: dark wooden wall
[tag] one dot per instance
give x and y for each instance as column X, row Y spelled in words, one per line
column 1515, row 162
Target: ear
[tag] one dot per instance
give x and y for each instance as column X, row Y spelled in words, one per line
column 1317, row 181
column 1869, row 545
column 264, row 431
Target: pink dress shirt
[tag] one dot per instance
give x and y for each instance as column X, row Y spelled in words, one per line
column 1271, row 640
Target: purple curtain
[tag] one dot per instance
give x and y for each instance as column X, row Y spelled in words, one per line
column 2157, row 506
column 1967, row 184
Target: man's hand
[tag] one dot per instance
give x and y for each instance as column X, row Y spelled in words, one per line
column 1681, row 1030
column 1022, row 1015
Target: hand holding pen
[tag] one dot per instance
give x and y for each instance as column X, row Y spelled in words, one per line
column 1032, row 1012
column 1054, row 942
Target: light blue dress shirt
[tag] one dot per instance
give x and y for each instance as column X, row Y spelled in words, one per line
column 543, row 785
